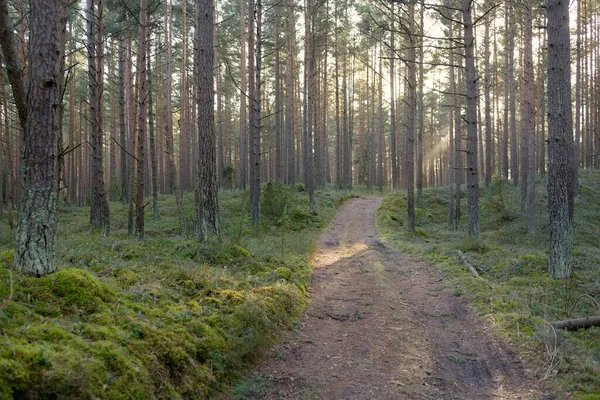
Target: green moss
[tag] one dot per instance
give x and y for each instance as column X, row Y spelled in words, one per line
column 160, row 318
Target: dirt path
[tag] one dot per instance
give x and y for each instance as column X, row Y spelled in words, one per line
column 382, row 326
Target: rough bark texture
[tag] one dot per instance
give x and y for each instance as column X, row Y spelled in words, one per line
column 37, row 223
column 527, row 123
column 393, row 146
column 488, row 104
column 99, row 211
column 254, row 91
column 410, row 130
column 207, row 205
column 472, row 172
column 122, row 130
column 243, row 168
column 289, row 101
column 151, row 132
column 560, row 140
column 172, row 183
column 142, row 118
column 14, row 67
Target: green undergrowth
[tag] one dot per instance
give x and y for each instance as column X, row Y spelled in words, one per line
column 516, row 293
column 165, row 317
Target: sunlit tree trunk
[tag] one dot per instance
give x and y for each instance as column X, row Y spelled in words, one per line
column 471, row 120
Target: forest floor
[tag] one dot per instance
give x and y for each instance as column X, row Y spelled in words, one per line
column 383, row 326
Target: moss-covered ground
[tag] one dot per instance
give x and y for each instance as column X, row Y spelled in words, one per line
column 165, row 317
column 516, row 294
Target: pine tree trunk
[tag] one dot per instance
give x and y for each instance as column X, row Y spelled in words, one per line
column 37, row 223
column 471, row 120
column 393, row 140
column 410, row 131
column 488, row 104
column 528, row 122
column 245, row 92
column 207, row 205
column 560, row 141
column 421, row 111
column 289, row 93
column 152, row 133
column 142, row 119
column 254, row 14
column 99, row 211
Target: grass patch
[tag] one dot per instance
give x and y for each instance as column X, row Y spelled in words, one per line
column 165, row 317
column 523, row 298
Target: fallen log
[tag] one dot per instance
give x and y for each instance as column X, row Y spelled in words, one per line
column 577, row 323
column 467, row 264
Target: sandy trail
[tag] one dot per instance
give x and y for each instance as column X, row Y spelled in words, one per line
column 382, row 326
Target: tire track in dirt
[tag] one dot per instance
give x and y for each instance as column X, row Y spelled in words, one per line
column 383, row 326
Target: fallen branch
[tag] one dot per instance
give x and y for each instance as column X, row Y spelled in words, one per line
column 465, row 263
column 577, row 323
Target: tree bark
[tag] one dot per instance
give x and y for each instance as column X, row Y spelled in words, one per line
column 243, row 163
column 254, row 81
column 471, row 119
column 207, row 205
column 410, row 131
column 99, row 210
column 13, row 65
column 37, row 223
column 151, row 131
column 577, row 323
column 560, row 141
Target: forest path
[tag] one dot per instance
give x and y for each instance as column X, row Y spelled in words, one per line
column 383, row 326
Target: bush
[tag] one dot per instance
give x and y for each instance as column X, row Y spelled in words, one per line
column 275, row 201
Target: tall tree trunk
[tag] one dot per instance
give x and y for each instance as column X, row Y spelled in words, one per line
column 13, row 65
column 151, row 131
column 278, row 108
column 507, row 93
column 514, row 147
column 99, row 211
column 410, row 131
column 471, row 119
column 124, row 175
column 421, row 109
column 254, row 14
column 142, row 119
column 393, row 140
column 560, row 140
column 528, row 122
column 488, row 104
column 172, row 183
column 309, row 60
column 207, row 204
column 37, row 223
column 245, row 92
column 184, row 140
column 289, row 93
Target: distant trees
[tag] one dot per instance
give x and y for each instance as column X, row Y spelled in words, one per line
column 366, row 94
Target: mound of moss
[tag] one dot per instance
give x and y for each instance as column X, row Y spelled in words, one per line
column 524, row 298
column 162, row 318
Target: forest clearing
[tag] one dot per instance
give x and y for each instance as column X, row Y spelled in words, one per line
column 334, row 199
